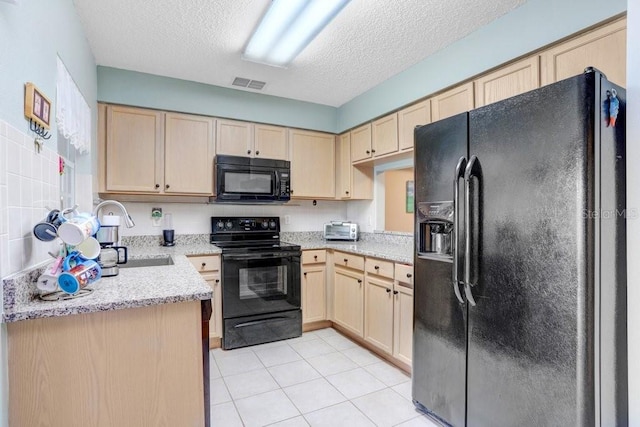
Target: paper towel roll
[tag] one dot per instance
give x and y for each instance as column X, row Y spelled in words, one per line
column 110, row 220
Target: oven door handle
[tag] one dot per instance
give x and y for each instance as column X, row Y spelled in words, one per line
column 257, row 256
column 257, row 322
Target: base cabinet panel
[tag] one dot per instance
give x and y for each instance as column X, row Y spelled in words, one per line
column 403, row 323
column 348, row 299
column 378, row 315
column 314, row 307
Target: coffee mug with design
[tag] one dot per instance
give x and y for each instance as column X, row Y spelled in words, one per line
column 47, row 229
column 79, row 277
column 76, row 229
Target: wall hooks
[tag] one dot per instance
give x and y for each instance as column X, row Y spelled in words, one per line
column 39, row 130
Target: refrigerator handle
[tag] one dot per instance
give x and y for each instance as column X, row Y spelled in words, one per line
column 468, row 173
column 462, row 163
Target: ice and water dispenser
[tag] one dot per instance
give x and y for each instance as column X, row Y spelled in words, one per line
column 435, row 222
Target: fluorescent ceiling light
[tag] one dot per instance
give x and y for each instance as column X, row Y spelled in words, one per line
column 288, row 27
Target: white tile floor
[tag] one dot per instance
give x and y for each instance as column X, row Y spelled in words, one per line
column 319, row 379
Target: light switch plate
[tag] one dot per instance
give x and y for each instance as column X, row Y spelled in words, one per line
column 156, row 217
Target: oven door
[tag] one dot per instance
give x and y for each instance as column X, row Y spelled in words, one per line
column 257, row 283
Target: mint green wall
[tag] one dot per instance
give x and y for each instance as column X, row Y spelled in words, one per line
column 32, row 33
column 527, row 28
column 165, row 93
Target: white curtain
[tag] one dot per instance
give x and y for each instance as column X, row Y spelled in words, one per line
column 73, row 114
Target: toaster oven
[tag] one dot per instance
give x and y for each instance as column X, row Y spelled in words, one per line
column 340, row 230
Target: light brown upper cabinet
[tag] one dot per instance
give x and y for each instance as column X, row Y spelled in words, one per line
column 604, row 48
column 452, row 102
column 134, row 150
column 270, row 142
column 384, row 135
column 352, row 182
column 312, row 164
column 188, row 149
column 361, row 143
column 246, row 139
column 508, row 81
column 410, row 117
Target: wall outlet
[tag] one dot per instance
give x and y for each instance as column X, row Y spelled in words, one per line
column 156, row 217
column 287, row 219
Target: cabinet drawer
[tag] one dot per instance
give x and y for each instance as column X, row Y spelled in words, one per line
column 379, row 267
column 349, row 260
column 404, row 274
column 205, row 262
column 314, row 256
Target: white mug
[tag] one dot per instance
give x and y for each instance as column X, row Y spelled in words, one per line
column 89, row 248
column 76, row 229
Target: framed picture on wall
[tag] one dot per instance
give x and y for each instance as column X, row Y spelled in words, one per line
column 410, row 197
column 37, row 106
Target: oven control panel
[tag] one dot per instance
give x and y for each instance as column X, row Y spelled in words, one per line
column 245, row 224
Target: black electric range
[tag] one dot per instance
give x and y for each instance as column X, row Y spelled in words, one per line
column 260, row 281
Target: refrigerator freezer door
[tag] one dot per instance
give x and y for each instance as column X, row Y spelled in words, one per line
column 439, row 344
column 531, row 338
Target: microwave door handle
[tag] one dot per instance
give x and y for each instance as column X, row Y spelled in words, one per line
column 277, row 183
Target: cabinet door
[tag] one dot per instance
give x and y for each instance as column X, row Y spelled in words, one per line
column 270, row 142
column 188, row 164
column 508, row 81
column 378, row 313
column 348, row 301
column 403, row 322
column 361, row 143
column 410, row 117
column 234, row 138
column 604, row 48
column 134, row 154
column 314, row 306
column 215, row 323
column 343, row 166
column 452, row 102
column 384, row 135
column 312, row 164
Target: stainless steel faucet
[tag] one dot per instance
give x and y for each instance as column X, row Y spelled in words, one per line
column 127, row 218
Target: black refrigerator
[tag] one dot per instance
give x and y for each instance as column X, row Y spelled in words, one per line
column 520, row 261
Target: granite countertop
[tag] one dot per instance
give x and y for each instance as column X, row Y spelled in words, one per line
column 132, row 287
column 144, row 286
column 402, row 253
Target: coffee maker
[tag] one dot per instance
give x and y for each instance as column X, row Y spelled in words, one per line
column 111, row 253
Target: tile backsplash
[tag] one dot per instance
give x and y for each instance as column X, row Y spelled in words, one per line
column 29, row 181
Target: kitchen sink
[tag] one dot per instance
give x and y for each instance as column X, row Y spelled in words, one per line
column 147, row 262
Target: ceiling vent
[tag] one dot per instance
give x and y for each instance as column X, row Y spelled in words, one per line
column 251, row 84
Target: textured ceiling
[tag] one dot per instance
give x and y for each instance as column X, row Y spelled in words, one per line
column 202, row 40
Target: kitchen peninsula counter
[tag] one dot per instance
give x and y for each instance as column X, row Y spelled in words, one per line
column 134, row 352
column 132, row 287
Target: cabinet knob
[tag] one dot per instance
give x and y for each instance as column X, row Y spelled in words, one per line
column 204, row 264
column 368, row 152
column 257, row 153
column 315, row 257
column 217, row 281
column 388, row 290
column 409, row 275
column 167, row 186
column 359, row 280
column 290, row 191
column 305, row 274
column 346, row 192
column 248, row 151
column 157, row 185
column 395, row 292
column 373, row 151
column 346, row 260
column 377, row 267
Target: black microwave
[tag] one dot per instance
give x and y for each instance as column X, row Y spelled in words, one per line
column 246, row 179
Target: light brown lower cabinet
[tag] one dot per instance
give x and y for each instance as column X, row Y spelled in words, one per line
column 209, row 267
column 378, row 313
column 348, row 302
column 314, row 284
column 130, row 367
column 403, row 313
